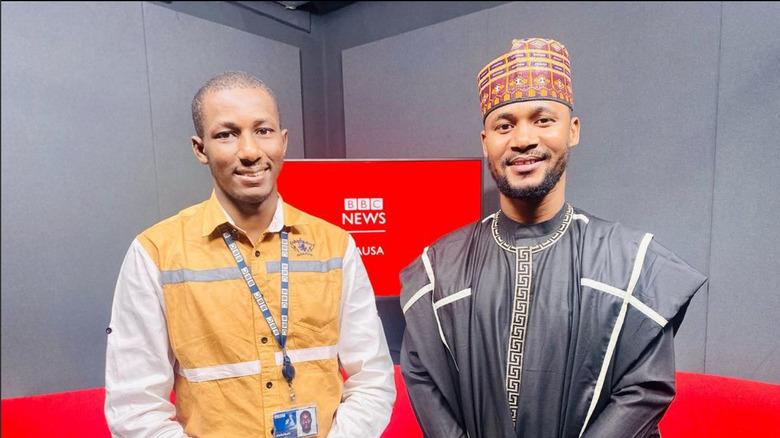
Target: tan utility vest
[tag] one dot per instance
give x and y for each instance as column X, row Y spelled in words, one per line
column 228, row 374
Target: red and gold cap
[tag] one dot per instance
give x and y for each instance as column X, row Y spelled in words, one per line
column 533, row 69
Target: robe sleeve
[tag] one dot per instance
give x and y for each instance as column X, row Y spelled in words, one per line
column 426, row 365
column 643, row 370
column 640, row 398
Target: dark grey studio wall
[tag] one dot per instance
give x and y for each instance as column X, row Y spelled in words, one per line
column 70, row 123
column 95, row 148
column 744, row 299
column 364, row 22
column 270, row 20
column 678, row 103
column 321, row 39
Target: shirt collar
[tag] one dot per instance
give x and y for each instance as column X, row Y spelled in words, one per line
column 511, row 230
column 284, row 215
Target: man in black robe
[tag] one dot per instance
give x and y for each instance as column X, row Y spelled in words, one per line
column 540, row 320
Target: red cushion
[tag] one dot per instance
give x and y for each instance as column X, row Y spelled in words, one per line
column 713, row 406
column 80, row 414
column 706, row 406
column 76, row 414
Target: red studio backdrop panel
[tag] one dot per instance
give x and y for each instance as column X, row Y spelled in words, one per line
column 392, row 208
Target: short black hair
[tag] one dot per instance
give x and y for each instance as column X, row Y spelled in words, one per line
column 226, row 81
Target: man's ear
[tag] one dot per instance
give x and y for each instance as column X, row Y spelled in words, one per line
column 284, row 140
column 482, row 139
column 574, row 132
column 199, row 149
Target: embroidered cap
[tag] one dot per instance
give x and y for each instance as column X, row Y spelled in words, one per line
column 533, row 69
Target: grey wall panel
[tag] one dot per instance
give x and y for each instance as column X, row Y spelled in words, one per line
column 365, row 22
column 413, row 95
column 78, row 183
column 645, row 87
column 742, row 334
column 183, row 53
column 273, row 25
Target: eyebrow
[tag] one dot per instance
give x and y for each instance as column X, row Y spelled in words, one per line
column 230, row 125
column 505, row 116
column 539, row 109
column 226, row 124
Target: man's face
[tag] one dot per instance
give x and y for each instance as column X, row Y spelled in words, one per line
column 527, row 146
column 305, row 421
column 243, row 145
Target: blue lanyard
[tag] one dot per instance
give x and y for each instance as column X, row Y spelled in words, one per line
column 288, row 371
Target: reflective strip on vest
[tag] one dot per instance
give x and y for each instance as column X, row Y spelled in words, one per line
column 306, row 266
column 205, row 275
column 217, row 372
column 309, row 354
column 233, row 273
column 242, row 369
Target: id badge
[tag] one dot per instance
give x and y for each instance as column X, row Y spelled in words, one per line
column 296, row 422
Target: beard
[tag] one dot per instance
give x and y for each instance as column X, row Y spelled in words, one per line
column 551, row 178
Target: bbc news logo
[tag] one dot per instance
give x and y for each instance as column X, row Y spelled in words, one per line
column 363, row 211
column 363, row 204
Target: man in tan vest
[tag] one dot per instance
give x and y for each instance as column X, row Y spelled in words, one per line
column 246, row 307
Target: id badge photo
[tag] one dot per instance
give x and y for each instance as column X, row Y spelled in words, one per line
column 298, row 422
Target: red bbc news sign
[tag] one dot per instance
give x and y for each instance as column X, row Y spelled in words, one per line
column 393, row 209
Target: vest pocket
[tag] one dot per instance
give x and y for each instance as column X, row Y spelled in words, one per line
column 314, row 300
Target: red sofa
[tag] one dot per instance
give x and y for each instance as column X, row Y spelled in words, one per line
column 706, row 406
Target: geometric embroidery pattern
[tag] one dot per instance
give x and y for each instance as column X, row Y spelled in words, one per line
column 521, row 304
column 567, row 216
column 533, row 69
